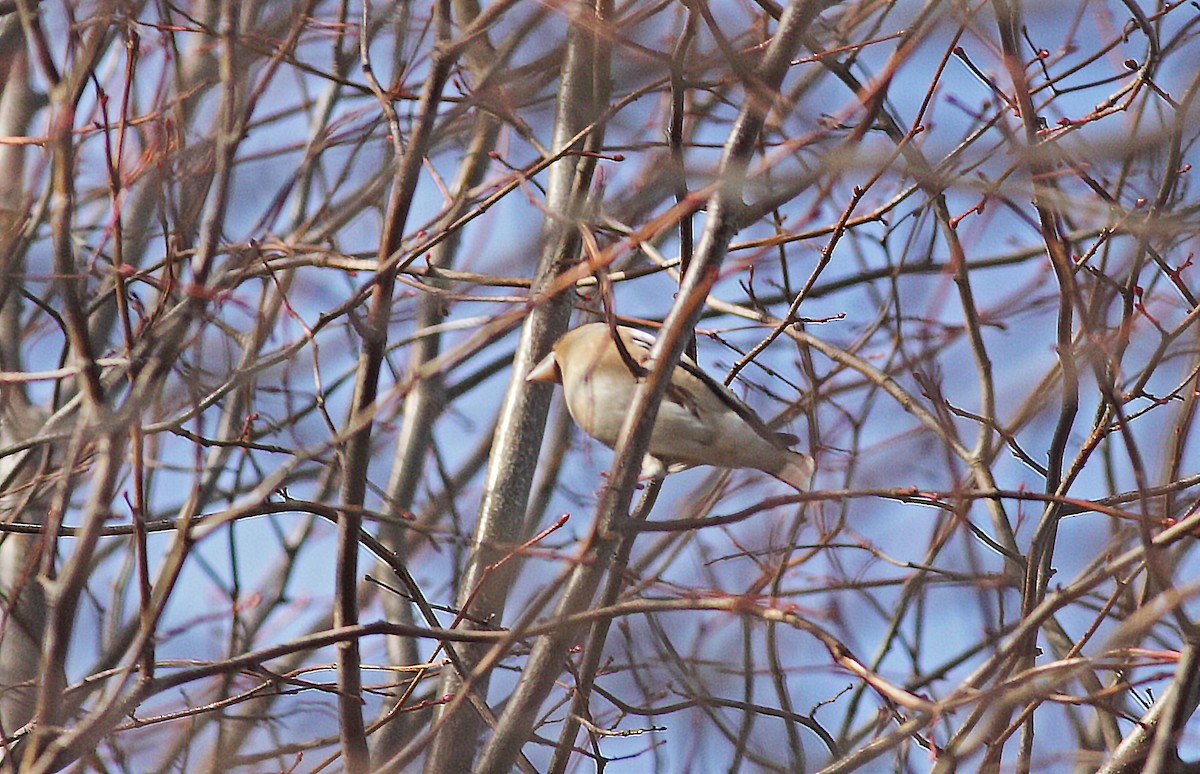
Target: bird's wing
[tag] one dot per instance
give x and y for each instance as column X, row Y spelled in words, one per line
column 685, row 392
column 730, row 401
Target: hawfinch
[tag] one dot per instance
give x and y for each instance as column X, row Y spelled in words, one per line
column 700, row 421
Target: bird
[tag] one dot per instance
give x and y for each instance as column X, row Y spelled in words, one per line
column 700, row 420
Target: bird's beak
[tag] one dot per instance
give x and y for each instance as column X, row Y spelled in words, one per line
column 545, row 371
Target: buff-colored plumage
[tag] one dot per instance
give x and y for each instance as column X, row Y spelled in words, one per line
column 700, row 421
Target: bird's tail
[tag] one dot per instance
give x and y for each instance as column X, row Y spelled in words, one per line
column 796, row 469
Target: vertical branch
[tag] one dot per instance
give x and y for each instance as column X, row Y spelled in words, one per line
column 22, row 603
column 425, row 401
column 675, row 142
column 1041, row 553
column 518, row 436
column 357, row 453
column 115, row 158
column 64, row 589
